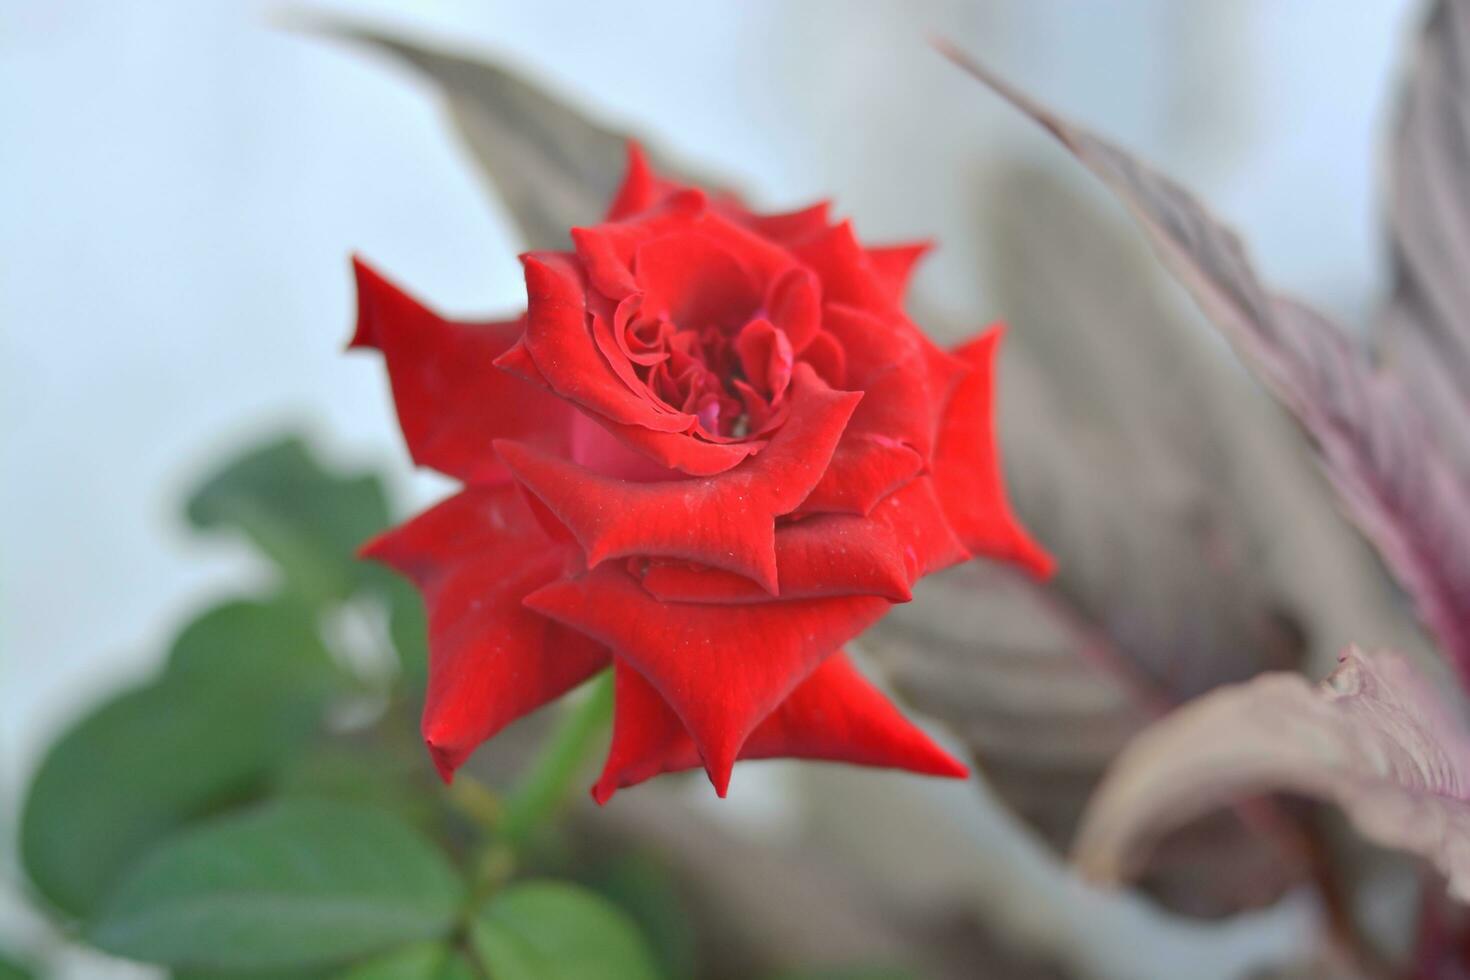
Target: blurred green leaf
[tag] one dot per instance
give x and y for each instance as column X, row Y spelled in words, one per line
column 248, row 975
column 309, row 520
column 459, row 967
column 408, row 628
column 644, row 889
column 421, row 961
column 272, row 644
column 547, row 930
column 292, row 884
column 245, row 687
column 845, row 973
column 12, row 970
column 371, row 774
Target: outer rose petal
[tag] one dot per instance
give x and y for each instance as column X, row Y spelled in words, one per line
column 834, row 715
column 967, row 472
column 452, row 401
column 894, row 265
column 825, row 555
column 724, row 521
column 475, row 557
column 786, row 228
column 866, row 467
column 847, row 272
column 641, row 188
column 722, row 668
column 904, row 380
column 917, row 519
column 905, row 538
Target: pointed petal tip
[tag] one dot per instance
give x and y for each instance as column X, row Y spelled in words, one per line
column 719, row 763
column 517, row 360
column 637, row 158
column 1028, row 553
column 378, row 548
column 369, row 285
column 946, row 766
column 446, row 761
column 899, row 591
column 1041, row 565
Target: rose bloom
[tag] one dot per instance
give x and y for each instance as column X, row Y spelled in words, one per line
column 712, row 451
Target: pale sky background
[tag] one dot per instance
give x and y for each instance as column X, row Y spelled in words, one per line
column 181, row 184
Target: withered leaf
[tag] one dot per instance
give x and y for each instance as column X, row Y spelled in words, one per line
column 1374, row 738
column 1389, row 471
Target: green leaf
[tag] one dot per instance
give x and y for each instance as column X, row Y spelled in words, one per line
column 408, row 627
column 458, row 967
column 310, row 521
column 272, row 644
column 248, row 975
column 246, row 686
column 12, row 970
column 293, row 884
column 374, row 774
column 421, row 961
column 644, row 889
column 547, row 930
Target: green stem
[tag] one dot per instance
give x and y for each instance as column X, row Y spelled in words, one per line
column 546, row 784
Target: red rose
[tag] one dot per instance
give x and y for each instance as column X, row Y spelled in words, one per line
column 712, row 451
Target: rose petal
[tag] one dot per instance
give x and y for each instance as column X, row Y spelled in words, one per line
column 560, row 342
column 894, row 265
column 641, row 188
column 892, row 369
column 794, row 303
column 724, row 521
column 828, row 359
column 785, row 228
column 846, row 273
column 635, row 453
column 918, row 521
column 722, row 668
column 452, row 401
column 766, row 357
column 904, row 378
column 834, row 715
column 966, row 466
column 684, row 451
column 475, row 557
column 865, row 468
column 826, row 555
column 695, row 281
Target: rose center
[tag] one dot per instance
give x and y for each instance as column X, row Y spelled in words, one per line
column 733, row 380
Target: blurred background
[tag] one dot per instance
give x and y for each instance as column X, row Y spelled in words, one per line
column 181, row 185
